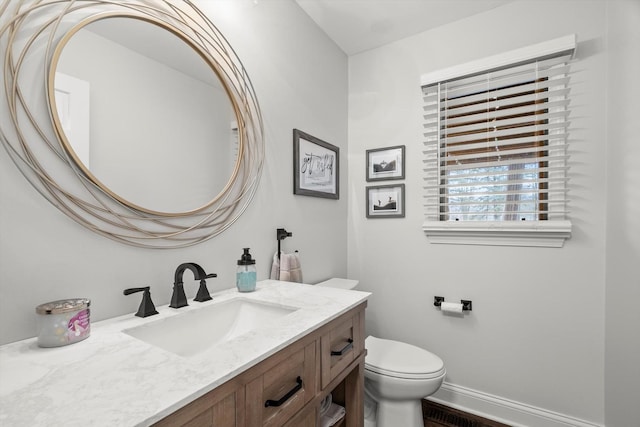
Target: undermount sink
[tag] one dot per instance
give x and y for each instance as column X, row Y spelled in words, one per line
column 192, row 332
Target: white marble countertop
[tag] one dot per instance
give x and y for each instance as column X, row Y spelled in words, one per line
column 113, row 379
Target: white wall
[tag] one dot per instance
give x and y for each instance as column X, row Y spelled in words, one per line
column 536, row 333
column 300, row 78
column 622, row 371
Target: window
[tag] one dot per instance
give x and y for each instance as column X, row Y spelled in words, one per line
column 496, row 149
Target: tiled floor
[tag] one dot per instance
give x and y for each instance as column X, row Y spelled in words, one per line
column 436, row 415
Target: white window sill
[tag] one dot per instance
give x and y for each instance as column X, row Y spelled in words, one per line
column 551, row 234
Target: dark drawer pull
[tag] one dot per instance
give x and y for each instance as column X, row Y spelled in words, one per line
column 286, row 396
column 346, row 348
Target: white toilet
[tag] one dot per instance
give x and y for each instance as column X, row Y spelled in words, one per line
column 397, row 376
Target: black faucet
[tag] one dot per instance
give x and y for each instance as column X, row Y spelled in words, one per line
column 146, row 306
column 179, row 299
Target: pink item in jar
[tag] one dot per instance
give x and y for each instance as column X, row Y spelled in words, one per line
column 63, row 322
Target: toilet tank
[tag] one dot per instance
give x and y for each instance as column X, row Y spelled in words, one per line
column 339, row 283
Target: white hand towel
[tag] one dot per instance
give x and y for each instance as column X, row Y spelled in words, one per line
column 291, row 268
column 287, row 268
column 275, row 268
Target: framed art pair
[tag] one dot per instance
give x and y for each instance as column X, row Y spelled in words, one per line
column 385, row 164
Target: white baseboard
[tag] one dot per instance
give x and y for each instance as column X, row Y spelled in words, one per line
column 503, row 410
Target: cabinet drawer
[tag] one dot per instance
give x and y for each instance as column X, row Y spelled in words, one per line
column 341, row 346
column 276, row 395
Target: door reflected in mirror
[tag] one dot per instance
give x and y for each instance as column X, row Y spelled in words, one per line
column 161, row 131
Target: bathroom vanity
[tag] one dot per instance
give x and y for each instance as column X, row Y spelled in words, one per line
column 288, row 387
column 275, row 374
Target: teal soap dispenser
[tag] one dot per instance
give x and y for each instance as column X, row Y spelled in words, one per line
column 246, row 272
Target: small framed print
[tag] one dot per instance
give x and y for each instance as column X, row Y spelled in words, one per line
column 315, row 167
column 385, row 163
column 385, row 201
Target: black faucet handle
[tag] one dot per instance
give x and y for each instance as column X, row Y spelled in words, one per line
column 146, row 305
column 203, row 292
column 130, row 291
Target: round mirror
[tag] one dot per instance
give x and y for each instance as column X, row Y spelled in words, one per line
column 181, row 173
column 143, row 114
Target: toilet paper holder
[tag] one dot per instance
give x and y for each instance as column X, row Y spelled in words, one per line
column 466, row 304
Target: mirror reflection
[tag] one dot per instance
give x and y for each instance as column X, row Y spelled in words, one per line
column 145, row 116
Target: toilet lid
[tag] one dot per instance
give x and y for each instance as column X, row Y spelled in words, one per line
column 399, row 359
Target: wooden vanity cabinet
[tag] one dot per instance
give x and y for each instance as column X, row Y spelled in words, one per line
column 293, row 381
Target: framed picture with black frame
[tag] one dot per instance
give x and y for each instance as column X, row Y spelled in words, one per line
column 385, row 201
column 385, row 163
column 316, row 167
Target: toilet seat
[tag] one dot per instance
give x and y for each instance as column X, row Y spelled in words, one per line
column 401, row 360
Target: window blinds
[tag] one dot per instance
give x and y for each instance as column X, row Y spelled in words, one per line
column 496, row 143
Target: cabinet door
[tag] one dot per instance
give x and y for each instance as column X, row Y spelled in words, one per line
column 275, row 396
column 340, row 346
column 220, row 408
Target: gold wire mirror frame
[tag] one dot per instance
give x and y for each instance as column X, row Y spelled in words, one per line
column 29, row 35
